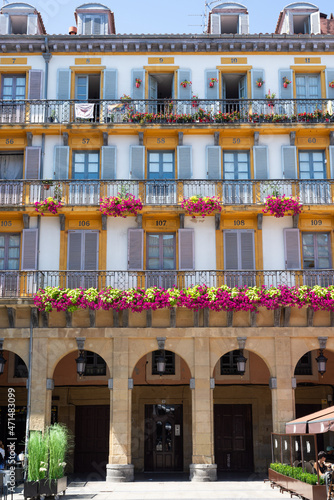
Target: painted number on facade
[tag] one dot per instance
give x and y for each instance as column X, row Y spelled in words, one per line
column 84, row 223
column 9, row 141
column 239, row 222
column 307, row 60
column 312, row 140
column 161, row 140
column 234, row 60
column 85, row 141
column 236, row 140
column 316, row 222
column 6, row 223
column 160, row 223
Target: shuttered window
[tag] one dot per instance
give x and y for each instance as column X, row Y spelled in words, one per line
column 61, row 162
column 184, row 92
column 35, row 84
column 292, row 248
column 160, row 251
column 258, row 92
column 82, row 250
column 213, row 162
column 161, row 165
column 13, row 87
column 239, row 253
column 9, row 252
column 289, row 162
column 184, row 162
column 86, row 165
column 137, row 162
column 110, row 84
column 316, row 251
column 108, row 162
column 260, row 162
column 186, row 249
column 63, row 84
column 135, row 249
column 32, row 162
column 29, row 249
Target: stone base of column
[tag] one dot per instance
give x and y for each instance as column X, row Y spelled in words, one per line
column 203, row 472
column 120, row 473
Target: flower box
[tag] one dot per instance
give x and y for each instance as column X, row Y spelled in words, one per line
column 310, row 491
column 50, row 204
column 120, row 206
column 49, row 487
column 31, row 489
column 201, row 206
column 278, row 206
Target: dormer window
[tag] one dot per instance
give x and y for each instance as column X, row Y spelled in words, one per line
column 229, row 18
column 20, row 19
column 93, row 24
column 300, row 18
column 94, row 19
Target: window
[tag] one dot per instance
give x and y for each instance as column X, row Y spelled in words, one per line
column 236, row 165
column 239, row 255
column 301, row 24
column 82, row 258
column 316, row 251
column 11, row 165
column 95, row 365
column 13, row 87
column 312, row 165
column 20, row 368
column 87, row 87
column 10, row 252
column 170, row 362
column 86, row 165
column 228, row 363
column 304, row 365
column 19, row 24
column 161, row 256
column 161, row 165
column 93, row 24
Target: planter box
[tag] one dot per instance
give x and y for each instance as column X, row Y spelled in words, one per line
column 31, row 489
column 53, row 487
column 312, row 492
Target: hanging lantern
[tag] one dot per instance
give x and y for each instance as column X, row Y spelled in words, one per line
column 161, row 363
column 321, row 361
column 241, row 363
column 81, row 363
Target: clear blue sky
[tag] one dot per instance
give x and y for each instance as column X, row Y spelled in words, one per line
column 157, row 16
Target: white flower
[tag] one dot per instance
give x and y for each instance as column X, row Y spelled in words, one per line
column 42, row 469
column 62, row 464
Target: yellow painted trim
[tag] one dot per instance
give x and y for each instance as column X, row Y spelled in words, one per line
column 238, row 60
column 310, row 69
column 234, row 69
column 83, row 60
column 219, row 249
column 161, row 69
column 211, row 53
column 87, row 69
column 161, row 60
column 103, row 250
column 311, row 60
column 258, row 249
column 63, row 247
column 15, row 69
column 13, row 60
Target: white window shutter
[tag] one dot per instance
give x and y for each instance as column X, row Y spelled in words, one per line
column 80, row 24
column 108, row 162
column 260, row 162
column 135, row 249
column 186, row 250
column 32, row 162
column 63, row 84
column 29, row 249
column 184, row 162
column 184, row 93
column 231, row 250
column 215, row 27
column 285, row 93
column 243, row 24
column 211, row 92
column 247, row 250
column 315, row 23
column 4, row 24
column 213, row 162
column 331, row 160
column 75, row 250
column 110, row 84
column 61, row 155
column 32, row 24
column 35, row 84
column 292, row 248
column 329, row 90
column 257, row 92
column 98, row 25
column 289, row 162
column 91, row 250
column 137, row 162
column 138, row 93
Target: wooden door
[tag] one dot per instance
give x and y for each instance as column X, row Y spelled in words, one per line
column 233, row 437
column 163, row 438
column 91, row 438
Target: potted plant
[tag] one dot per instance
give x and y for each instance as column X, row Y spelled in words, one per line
column 212, row 82
column 278, row 206
column 331, row 84
column 49, row 204
column 47, row 183
column 259, row 82
column 270, row 96
column 195, row 101
column 52, row 116
column 125, row 98
column 121, row 205
column 57, row 439
column 201, row 205
column 138, row 82
column 286, row 82
column 184, row 83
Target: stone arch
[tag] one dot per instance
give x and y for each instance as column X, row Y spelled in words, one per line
column 19, row 347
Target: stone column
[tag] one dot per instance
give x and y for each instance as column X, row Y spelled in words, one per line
column 283, row 395
column 203, row 467
column 40, row 397
column 119, row 468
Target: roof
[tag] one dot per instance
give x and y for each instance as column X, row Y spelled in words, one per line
column 314, row 423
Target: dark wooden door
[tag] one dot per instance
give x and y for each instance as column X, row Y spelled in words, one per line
column 163, row 438
column 91, row 438
column 233, row 437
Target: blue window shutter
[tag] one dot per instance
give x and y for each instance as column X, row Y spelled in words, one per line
column 260, row 162
column 138, row 93
column 331, row 160
column 184, row 93
column 63, row 84
column 285, row 93
column 213, row 162
column 108, row 162
column 61, row 157
column 211, row 92
column 110, row 84
column 292, row 248
column 32, row 162
column 4, row 24
column 29, row 249
column 289, row 162
column 329, row 78
column 257, row 92
column 184, row 162
column 231, row 250
column 35, row 84
column 137, row 162
column 135, row 249
column 186, row 250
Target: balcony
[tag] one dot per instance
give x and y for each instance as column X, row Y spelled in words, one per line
column 158, row 193
column 166, row 111
column 15, row 284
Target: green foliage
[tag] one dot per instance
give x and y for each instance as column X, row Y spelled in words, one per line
column 37, row 456
column 296, row 473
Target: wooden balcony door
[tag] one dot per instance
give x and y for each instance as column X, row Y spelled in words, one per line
column 233, row 437
column 161, row 256
column 163, row 438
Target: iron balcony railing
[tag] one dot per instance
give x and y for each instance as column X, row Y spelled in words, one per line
column 89, row 192
column 166, row 111
column 26, row 283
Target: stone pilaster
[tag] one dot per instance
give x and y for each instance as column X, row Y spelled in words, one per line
column 40, row 409
column 119, row 468
column 203, row 467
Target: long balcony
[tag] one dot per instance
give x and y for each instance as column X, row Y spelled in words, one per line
column 82, row 193
column 166, row 111
column 14, row 284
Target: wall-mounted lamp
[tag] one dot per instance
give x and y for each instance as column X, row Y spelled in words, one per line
column 241, row 360
column 321, row 359
column 81, row 359
column 161, row 361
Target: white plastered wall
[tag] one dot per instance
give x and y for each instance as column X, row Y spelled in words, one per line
column 273, row 241
column 117, row 242
column 204, row 242
column 49, row 243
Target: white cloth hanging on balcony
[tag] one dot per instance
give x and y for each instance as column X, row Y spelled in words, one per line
column 83, row 110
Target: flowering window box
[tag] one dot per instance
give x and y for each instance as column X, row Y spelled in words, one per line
column 201, row 206
column 119, row 206
column 50, row 204
column 278, row 206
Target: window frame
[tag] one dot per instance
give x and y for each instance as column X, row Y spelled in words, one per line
column 86, row 163
column 95, row 366
column 160, row 235
column 170, row 363
column 6, row 249
column 161, row 176
column 15, row 76
column 311, row 162
column 236, row 163
column 315, row 248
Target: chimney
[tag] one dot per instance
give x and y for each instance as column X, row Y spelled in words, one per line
column 72, row 30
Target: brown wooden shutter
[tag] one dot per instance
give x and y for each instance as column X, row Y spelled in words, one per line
column 135, row 249
column 186, row 249
column 74, row 250
column 292, row 248
column 247, row 250
column 91, row 250
column 35, row 84
column 32, row 162
column 230, row 250
column 29, row 249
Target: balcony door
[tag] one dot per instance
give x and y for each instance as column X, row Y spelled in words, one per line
column 234, row 89
column 308, row 87
column 85, row 167
column 9, row 261
column 82, row 258
column 239, row 255
column 160, row 90
column 236, row 167
column 161, row 171
column 317, row 255
column 11, row 169
column 161, row 260
column 312, row 167
column 13, row 89
column 87, row 89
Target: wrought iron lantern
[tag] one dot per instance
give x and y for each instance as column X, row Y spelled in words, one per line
column 321, row 361
column 241, row 363
column 161, row 362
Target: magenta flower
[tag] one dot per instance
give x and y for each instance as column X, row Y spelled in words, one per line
column 118, row 206
column 278, row 206
column 49, row 204
column 201, row 206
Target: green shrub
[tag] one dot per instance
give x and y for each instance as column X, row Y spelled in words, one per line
column 296, row 473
